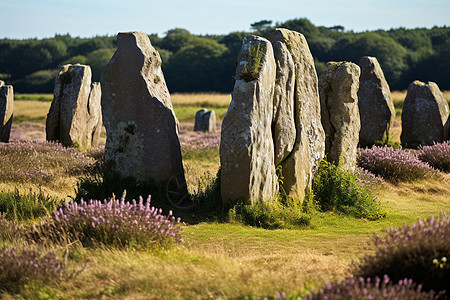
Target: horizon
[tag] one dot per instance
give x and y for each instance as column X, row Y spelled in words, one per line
column 27, row 19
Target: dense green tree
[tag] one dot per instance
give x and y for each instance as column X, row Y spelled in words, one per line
column 98, row 60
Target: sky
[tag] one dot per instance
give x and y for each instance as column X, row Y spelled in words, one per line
column 22, row 19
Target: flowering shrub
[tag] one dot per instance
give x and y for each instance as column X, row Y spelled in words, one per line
column 356, row 289
column 419, row 252
column 367, row 178
column 437, row 155
column 394, row 165
column 16, row 267
column 113, row 222
column 337, row 189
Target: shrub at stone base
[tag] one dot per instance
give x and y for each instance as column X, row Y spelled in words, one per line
column 113, row 223
column 394, row 165
column 437, row 156
column 339, row 190
column 419, row 252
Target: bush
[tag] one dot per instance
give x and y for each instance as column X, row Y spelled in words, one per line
column 419, row 252
column 269, row 215
column 113, row 223
column 26, row 207
column 338, row 190
column 17, row 268
column 356, row 289
column 437, row 155
column 394, row 164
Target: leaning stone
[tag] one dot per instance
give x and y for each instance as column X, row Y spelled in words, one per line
column 338, row 89
column 6, row 111
column 298, row 167
column 425, row 116
column 283, row 123
column 246, row 146
column 141, row 127
column 205, row 120
column 74, row 117
column 376, row 108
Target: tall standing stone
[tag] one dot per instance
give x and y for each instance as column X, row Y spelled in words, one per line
column 308, row 150
column 205, row 120
column 6, row 111
column 141, row 127
column 376, row 108
column 425, row 115
column 74, row 118
column 283, row 124
column 338, row 89
column 246, row 146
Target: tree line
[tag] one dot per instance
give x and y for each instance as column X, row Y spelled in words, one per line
column 206, row 63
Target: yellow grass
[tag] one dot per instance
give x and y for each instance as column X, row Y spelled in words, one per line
column 201, row 99
column 30, row 110
column 399, row 96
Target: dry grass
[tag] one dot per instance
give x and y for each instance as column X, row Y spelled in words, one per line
column 201, row 99
column 30, row 110
column 398, row 97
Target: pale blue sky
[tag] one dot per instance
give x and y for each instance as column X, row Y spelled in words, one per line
column 87, row 18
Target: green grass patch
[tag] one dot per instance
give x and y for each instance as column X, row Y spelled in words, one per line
column 186, row 113
column 34, row 97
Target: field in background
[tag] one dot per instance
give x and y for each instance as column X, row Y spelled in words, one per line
column 219, row 260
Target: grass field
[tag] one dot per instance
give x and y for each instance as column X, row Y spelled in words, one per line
column 217, row 260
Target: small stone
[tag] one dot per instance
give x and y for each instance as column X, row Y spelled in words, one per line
column 425, row 116
column 205, row 120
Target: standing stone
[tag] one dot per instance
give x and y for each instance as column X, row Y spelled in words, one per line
column 74, row 118
column 6, row 111
column 338, row 89
column 141, row 127
column 246, row 146
column 376, row 108
column 205, row 120
column 425, row 116
column 283, row 123
column 298, row 167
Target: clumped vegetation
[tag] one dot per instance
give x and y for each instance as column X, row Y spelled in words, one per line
column 366, row 288
column 18, row 267
column 30, row 206
column 340, row 190
column 418, row 251
column 112, row 223
column 394, row 164
column 437, row 155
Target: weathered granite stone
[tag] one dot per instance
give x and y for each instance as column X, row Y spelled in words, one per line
column 425, row 116
column 283, row 124
column 141, row 127
column 376, row 108
column 298, row 167
column 74, row 118
column 246, row 146
column 205, row 120
column 6, row 111
column 338, row 89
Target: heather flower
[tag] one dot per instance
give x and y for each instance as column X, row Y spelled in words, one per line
column 437, row 155
column 394, row 164
column 366, row 288
column 411, row 251
column 18, row 267
column 113, row 222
